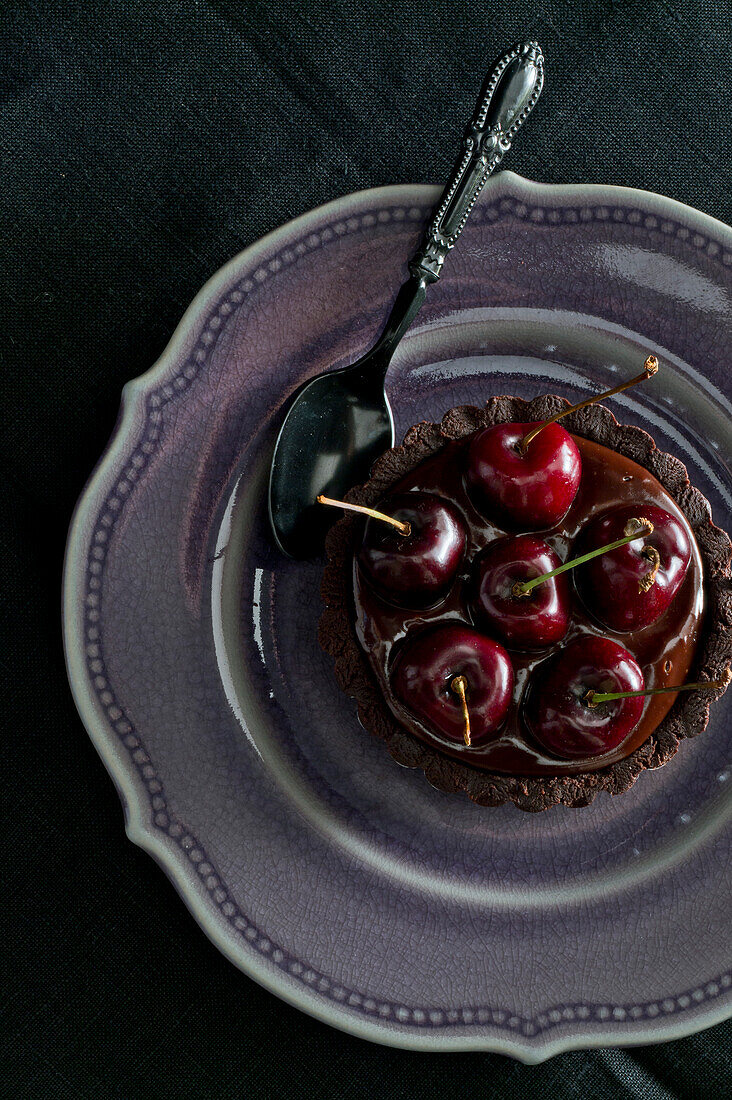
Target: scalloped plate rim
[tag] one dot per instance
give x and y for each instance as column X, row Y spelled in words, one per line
column 167, row 855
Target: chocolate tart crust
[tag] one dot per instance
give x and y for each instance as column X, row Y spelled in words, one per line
column 690, row 713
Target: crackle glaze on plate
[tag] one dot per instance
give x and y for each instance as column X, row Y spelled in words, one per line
column 337, row 879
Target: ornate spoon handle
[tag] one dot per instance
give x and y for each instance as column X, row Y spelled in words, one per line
column 507, row 98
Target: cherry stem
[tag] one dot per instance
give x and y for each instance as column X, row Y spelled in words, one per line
column 459, row 685
column 594, row 698
column 641, row 528
column 650, row 367
column 402, row 528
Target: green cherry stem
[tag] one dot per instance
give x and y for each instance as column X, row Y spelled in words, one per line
column 640, row 528
column 650, row 367
column 403, row 528
column 594, row 698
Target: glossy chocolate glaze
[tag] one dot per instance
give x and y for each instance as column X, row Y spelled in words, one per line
column 665, row 650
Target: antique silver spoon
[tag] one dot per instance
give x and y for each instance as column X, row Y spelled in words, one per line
column 339, row 422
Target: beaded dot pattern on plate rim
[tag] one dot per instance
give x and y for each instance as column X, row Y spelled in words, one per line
column 162, row 816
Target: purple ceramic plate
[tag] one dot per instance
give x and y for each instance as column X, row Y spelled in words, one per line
column 337, row 879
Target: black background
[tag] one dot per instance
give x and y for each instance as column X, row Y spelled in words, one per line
column 144, row 144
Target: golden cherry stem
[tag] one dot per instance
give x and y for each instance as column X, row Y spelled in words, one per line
column 402, row 528
column 460, row 686
column 641, row 526
column 594, row 698
column 650, row 367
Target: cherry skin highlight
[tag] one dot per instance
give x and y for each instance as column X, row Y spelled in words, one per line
column 611, row 585
column 417, row 569
column 534, row 489
column 428, row 664
column 555, row 708
column 521, row 622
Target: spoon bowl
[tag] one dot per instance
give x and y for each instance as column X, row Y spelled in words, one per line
column 337, row 426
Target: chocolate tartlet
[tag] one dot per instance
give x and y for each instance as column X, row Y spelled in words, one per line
column 363, row 631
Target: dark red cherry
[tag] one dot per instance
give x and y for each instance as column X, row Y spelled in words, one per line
column 615, row 586
column 556, row 710
column 532, row 489
column 428, row 665
column 521, row 622
column 417, row 569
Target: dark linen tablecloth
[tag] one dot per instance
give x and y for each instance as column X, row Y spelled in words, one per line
column 143, row 144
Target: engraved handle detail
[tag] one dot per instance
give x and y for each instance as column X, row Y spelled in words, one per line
column 507, row 98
